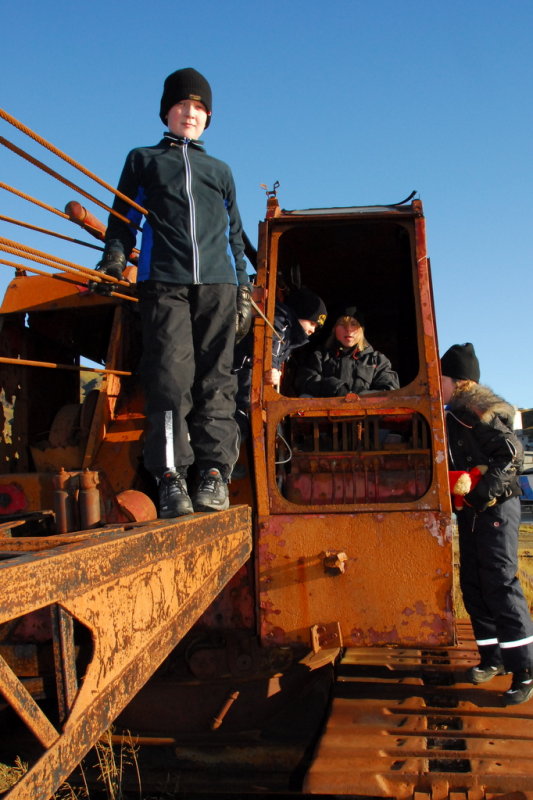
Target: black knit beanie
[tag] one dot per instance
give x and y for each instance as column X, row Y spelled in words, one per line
column 307, row 305
column 185, row 84
column 460, row 363
column 352, row 311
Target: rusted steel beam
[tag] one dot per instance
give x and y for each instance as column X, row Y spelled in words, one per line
column 137, row 592
column 23, row 703
column 64, row 659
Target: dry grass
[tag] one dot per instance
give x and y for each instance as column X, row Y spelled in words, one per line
column 9, row 775
column 111, row 761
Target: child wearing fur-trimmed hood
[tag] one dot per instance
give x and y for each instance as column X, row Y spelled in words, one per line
column 481, row 443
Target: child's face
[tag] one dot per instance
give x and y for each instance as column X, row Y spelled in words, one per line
column 187, row 118
column 349, row 332
column 448, row 388
column 308, row 325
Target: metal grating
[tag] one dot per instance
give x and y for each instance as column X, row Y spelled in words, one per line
column 405, row 723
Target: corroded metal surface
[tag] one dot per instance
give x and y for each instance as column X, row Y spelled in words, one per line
column 365, row 476
column 405, row 724
column 395, row 585
column 137, row 592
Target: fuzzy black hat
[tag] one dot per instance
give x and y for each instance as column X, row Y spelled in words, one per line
column 185, row 84
column 352, row 311
column 460, row 363
column 307, row 305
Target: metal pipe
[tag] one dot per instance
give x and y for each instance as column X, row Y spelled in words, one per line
column 217, row 721
column 23, row 362
column 89, row 500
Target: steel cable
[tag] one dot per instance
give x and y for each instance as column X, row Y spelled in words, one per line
column 9, row 244
column 49, row 232
column 31, row 199
column 57, row 176
column 58, row 276
column 35, row 136
column 69, row 217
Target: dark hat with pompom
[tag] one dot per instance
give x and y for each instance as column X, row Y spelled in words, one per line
column 185, row 84
column 460, row 363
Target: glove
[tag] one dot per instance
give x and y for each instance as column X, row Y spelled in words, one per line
column 244, row 311
column 112, row 264
column 460, row 484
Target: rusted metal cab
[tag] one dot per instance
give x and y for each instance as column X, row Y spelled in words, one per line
column 353, row 512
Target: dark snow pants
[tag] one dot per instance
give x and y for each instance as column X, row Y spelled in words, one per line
column 186, row 369
column 492, row 593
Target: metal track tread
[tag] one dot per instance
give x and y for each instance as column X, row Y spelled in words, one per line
column 405, row 723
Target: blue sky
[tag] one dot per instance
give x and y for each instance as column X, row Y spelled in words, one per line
column 345, row 103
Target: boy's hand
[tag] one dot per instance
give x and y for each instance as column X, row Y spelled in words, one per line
column 273, row 377
column 112, row 264
column 244, row 311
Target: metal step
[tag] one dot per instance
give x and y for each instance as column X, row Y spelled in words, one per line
column 404, row 723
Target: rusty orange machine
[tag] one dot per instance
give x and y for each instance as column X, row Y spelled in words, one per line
column 304, row 641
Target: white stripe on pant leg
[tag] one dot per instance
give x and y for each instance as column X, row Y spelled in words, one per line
column 169, row 441
column 517, row 643
column 484, row 642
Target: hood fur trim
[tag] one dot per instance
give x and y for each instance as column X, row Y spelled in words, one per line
column 484, row 403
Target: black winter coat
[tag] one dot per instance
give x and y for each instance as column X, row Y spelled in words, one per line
column 333, row 372
column 480, row 432
column 193, row 213
column 292, row 335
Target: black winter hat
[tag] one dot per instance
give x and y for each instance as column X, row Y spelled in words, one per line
column 307, row 305
column 460, row 363
column 352, row 311
column 185, row 84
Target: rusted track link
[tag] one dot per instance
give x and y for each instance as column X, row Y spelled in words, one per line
column 137, row 592
column 406, row 724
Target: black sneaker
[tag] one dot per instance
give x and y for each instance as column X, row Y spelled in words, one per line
column 521, row 689
column 485, row 672
column 174, row 500
column 212, row 493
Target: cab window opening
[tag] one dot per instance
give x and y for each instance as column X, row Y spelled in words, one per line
column 367, row 264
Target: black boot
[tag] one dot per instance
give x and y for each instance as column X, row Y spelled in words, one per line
column 485, row 672
column 174, row 500
column 521, row 688
column 212, row 493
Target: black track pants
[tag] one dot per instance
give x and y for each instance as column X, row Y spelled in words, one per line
column 186, row 369
column 492, row 593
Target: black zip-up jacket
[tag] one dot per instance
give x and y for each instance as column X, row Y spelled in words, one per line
column 480, row 432
column 193, row 214
column 337, row 371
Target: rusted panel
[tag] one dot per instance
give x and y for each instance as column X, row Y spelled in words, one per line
column 396, row 585
column 137, row 592
column 37, row 292
column 405, row 723
column 381, row 502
